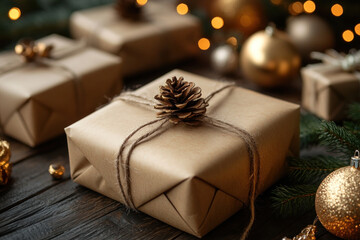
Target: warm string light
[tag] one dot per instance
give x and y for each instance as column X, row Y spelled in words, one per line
column 141, row 2
column 337, row 10
column 182, row 9
column 348, row 35
column 14, row 13
column 217, row 22
column 309, row 6
column 204, row 44
column 296, row 8
column 357, row 29
column 232, row 41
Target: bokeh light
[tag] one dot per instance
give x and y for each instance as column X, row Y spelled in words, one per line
column 217, row 22
column 348, row 35
column 337, row 10
column 357, row 29
column 309, row 6
column 14, row 13
column 204, row 44
column 232, row 41
column 182, row 9
column 276, row 2
column 141, row 2
column 295, row 8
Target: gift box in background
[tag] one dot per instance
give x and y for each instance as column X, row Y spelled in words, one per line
column 38, row 99
column 327, row 90
column 192, row 178
column 160, row 38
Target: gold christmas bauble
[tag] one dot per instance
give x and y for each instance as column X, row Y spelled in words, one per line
column 310, row 33
column 337, row 202
column 246, row 16
column 269, row 59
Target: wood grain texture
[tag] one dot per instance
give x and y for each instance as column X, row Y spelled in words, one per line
column 34, row 206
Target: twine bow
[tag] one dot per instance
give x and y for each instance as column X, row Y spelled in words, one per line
column 180, row 102
column 31, row 50
column 349, row 63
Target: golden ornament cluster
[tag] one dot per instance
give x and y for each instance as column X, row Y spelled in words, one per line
column 5, row 165
column 56, row 171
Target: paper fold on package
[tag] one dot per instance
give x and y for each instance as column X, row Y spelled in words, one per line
column 192, row 178
column 38, row 100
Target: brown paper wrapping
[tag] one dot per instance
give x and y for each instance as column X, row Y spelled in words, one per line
column 192, row 178
column 161, row 38
column 327, row 90
column 38, row 101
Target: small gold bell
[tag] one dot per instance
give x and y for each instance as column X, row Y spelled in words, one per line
column 57, row 171
column 5, row 165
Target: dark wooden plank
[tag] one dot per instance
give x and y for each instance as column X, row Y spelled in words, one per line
column 31, row 177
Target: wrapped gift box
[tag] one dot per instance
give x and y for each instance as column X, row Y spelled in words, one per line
column 192, row 178
column 39, row 99
column 327, row 90
column 162, row 36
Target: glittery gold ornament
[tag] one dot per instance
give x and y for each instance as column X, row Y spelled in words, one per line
column 57, row 171
column 310, row 33
column 5, row 165
column 269, row 59
column 246, row 16
column 337, row 201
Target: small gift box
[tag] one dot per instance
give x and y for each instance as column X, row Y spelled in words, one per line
column 191, row 177
column 160, row 37
column 329, row 87
column 41, row 96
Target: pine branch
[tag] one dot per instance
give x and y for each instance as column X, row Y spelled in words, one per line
column 338, row 139
column 309, row 126
column 293, row 200
column 354, row 112
column 312, row 169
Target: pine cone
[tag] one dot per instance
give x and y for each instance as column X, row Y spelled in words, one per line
column 129, row 9
column 181, row 101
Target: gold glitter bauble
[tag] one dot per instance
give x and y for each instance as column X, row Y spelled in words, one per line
column 337, row 203
column 269, row 59
column 5, row 165
column 247, row 16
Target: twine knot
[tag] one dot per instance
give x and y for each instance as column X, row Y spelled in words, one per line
column 181, row 101
column 31, row 50
column 349, row 62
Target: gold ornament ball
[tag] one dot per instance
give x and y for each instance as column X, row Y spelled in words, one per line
column 247, row 16
column 225, row 59
column 56, row 171
column 310, row 33
column 269, row 59
column 5, row 165
column 337, row 203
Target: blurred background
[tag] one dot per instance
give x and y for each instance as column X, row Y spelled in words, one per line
column 232, row 20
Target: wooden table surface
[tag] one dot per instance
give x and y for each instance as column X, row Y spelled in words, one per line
column 34, row 206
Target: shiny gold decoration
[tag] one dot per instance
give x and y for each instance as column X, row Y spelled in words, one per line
column 247, row 16
column 57, row 171
column 310, row 33
column 129, row 9
column 31, row 50
column 181, row 101
column 307, row 233
column 5, row 165
column 337, row 201
column 269, row 59
column 225, row 59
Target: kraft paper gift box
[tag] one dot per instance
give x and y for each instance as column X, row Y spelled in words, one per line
column 38, row 100
column 162, row 37
column 327, row 90
column 192, row 178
